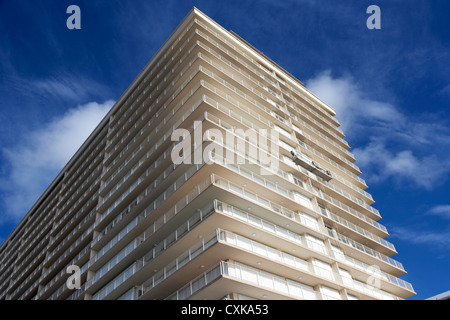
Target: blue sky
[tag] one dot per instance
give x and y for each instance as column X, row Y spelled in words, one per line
column 390, row 87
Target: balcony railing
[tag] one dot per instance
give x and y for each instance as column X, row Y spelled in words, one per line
column 152, row 254
column 252, row 125
column 249, row 275
column 360, row 230
column 369, row 251
column 236, row 103
column 242, row 58
column 288, row 259
column 269, row 112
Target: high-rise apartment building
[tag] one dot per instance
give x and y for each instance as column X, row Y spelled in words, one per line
column 216, row 175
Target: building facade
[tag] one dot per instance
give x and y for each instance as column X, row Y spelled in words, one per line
column 441, row 296
column 216, row 175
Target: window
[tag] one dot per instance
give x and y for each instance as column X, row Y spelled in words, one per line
column 346, row 277
column 279, row 107
column 323, row 269
column 303, row 200
column 329, row 294
column 298, row 181
column 309, row 221
column 330, row 231
column 315, row 243
column 338, row 254
column 279, row 117
column 323, row 210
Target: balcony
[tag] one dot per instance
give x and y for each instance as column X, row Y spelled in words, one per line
column 256, row 118
column 280, row 287
column 252, row 102
column 371, row 252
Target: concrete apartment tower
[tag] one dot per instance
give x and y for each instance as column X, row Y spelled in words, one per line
column 216, row 175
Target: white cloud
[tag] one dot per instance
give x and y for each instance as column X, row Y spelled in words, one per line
column 390, row 144
column 55, row 87
column 423, row 235
column 420, row 236
column 441, row 211
column 42, row 153
column 401, row 166
column 352, row 108
column 63, row 85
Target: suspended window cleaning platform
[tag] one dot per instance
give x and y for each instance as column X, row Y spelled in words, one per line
column 302, row 160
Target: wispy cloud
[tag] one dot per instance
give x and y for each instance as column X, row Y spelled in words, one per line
column 401, row 166
column 65, row 86
column 390, row 144
column 445, row 90
column 442, row 211
column 41, row 154
column 432, row 234
column 436, row 238
column 352, row 106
